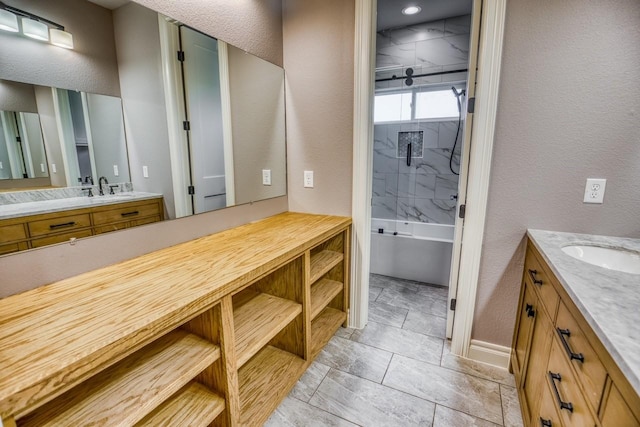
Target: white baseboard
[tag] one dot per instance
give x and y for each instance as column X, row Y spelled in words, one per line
column 488, row 353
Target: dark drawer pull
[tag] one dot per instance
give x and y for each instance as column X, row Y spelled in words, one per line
column 132, row 213
column 562, row 333
column 63, row 225
column 536, row 281
column 530, row 311
column 563, row 405
column 545, row 423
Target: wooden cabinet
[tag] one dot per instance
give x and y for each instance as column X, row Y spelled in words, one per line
column 212, row 332
column 565, row 376
column 34, row 231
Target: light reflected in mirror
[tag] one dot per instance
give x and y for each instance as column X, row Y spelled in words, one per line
column 203, row 128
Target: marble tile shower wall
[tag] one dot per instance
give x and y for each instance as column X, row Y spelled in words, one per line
column 423, row 191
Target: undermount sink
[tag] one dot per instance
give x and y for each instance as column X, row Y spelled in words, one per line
column 610, row 258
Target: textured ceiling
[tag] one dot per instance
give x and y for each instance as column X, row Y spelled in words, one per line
column 390, row 11
column 110, row 4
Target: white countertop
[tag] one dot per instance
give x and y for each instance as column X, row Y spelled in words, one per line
column 46, row 206
column 609, row 300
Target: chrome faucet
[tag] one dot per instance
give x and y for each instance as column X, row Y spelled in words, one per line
column 100, row 184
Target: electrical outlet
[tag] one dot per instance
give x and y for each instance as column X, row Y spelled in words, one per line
column 308, row 179
column 145, row 172
column 594, row 190
column 116, row 172
column 266, row 176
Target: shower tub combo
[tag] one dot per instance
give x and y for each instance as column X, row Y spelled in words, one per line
column 412, row 250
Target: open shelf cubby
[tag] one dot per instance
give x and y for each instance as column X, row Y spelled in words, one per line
column 258, row 317
column 264, row 381
column 324, row 326
column 126, row 392
column 322, row 293
column 323, row 261
column 194, row 405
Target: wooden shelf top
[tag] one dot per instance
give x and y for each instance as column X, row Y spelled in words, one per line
column 257, row 318
column 322, row 262
column 265, row 381
column 194, row 406
column 322, row 293
column 129, row 390
column 55, row 335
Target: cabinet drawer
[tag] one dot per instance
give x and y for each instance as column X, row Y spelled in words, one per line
column 548, row 415
column 11, row 233
column 569, row 401
column 525, row 326
column 111, row 227
column 59, row 224
column 538, row 278
column 12, row 247
column 126, row 212
column 591, row 372
column 616, row 412
column 144, row 221
column 58, row 238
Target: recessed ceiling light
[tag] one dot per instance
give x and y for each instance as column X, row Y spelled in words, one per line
column 411, row 10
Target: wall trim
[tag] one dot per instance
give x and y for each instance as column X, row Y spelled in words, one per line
column 483, row 130
column 364, row 57
column 491, row 354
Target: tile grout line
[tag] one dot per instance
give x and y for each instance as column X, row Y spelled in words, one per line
column 327, row 412
column 501, row 404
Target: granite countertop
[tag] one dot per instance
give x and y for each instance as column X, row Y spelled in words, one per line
column 609, row 300
column 56, row 205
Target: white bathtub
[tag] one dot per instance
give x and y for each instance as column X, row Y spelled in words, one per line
column 412, row 250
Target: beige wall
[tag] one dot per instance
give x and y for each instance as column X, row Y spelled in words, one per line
column 90, row 66
column 318, row 63
column 255, row 26
column 16, row 96
column 568, row 110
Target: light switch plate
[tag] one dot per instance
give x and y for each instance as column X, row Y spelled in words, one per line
column 42, row 167
column 116, row 172
column 1, row 167
column 594, row 190
column 266, row 176
column 308, row 179
column 54, row 168
column 145, row 172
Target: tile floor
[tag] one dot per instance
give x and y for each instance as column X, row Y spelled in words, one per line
column 398, row 371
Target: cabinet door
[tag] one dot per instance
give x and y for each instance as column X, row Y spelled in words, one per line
column 547, row 416
column 616, row 411
column 537, row 359
column 525, row 326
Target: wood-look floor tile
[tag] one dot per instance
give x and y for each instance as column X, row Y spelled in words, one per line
column 355, row 358
column 466, row 393
column 426, row 324
column 446, row 417
column 387, row 314
column 293, row 412
column 400, row 341
column 413, row 301
column 370, row 404
column 510, row 407
column 478, row 369
column 309, row 381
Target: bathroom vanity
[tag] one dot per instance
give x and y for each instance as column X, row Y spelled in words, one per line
column 576, row 346
column 40, row 223
column 214, row 331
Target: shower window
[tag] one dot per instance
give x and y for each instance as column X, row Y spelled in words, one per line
column 417, row 103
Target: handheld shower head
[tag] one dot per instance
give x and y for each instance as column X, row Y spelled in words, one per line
column 456, row 93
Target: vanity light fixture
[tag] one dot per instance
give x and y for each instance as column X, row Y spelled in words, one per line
column 8, row 21
column 411, row 10
column 34, row 26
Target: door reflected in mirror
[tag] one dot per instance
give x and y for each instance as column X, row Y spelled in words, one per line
column 22, row 152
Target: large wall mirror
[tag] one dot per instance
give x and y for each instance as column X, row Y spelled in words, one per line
column 147, row 101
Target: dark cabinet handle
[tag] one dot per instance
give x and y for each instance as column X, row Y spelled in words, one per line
column 562, row 333
column 132, row 213
column 409, row 150
column 533, row 274
column 563, row 405
column 545, row 423
column 530, row 311
column 63, row 225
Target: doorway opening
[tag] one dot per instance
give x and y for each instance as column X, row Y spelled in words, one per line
column 424, row 77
